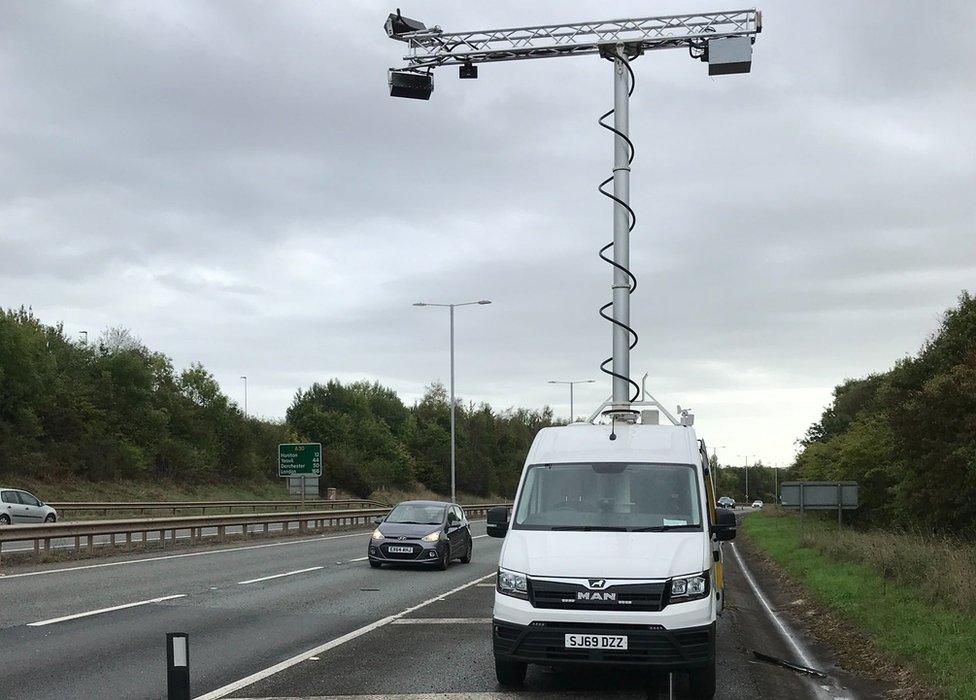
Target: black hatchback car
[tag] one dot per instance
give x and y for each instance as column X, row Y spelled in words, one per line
column 421, row 532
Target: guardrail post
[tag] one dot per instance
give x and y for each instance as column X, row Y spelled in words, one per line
column 128, row 541
column 220, row 533
column 91, row 544
column 177, row 666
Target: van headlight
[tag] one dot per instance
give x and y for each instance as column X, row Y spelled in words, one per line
column 434, row 536
column 377, row 535
column 689, row 587
column 513, row 584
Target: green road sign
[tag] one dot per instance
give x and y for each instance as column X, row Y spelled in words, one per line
column 300, row 459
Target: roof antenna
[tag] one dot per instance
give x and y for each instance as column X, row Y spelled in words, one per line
column 613, row 426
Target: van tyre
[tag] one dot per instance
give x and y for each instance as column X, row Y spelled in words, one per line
column 510, row 674
column 701, row 681
column 466, row 559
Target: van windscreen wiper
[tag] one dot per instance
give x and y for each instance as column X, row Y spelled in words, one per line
column 666, row 528
column 590, row 528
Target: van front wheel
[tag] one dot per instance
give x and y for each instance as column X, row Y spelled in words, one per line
column 701, row 681
column 510, row 674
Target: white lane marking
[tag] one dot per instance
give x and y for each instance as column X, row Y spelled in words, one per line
column 180, row 556
column 287, row 573
column 359, row 559
column 191, row 554
column 288, row 663
column 790, row 638
column 442, row 621
column 42, row 623
column 486, row 585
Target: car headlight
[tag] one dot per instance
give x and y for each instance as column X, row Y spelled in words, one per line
column 377, row 535
column 689, row 587
column 513, row 584
column 434, row 536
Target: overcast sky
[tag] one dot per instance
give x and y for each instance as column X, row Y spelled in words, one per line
column 232, row 182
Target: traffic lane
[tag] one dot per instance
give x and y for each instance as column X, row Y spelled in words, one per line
column 234, row 631
column 446, row 648
column 115, row 581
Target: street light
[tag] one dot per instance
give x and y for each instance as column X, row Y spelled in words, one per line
column 572, row 413
column 245, row 394
column 453, row 455
column 746, row 458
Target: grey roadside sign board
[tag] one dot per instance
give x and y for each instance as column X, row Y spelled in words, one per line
column 300, row 459
column 819, row 495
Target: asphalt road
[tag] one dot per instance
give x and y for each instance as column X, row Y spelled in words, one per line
column 330, row 623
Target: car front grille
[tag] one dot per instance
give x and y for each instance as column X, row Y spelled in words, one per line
column 571, row 596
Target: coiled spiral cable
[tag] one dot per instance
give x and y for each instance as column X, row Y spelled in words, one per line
column 633, row 222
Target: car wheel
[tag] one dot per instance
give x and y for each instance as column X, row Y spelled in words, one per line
column 375, row 564
column 445, row 560
column 466, row 559
column 51, row 517
column 4, row 519
column 510, row 674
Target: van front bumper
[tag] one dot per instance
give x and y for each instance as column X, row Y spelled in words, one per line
column 647, row 645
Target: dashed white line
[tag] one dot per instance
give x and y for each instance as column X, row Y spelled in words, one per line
column 442, row 621
column 288, row 663
column 53, row 620
column 287, row 573
column 4, row 577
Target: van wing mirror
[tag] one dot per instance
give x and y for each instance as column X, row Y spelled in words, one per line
column 498, row 521
column 725, row 525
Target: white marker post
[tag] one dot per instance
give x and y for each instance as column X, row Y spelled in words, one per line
column 177, row 666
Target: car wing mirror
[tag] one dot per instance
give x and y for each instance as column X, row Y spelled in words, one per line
column 725, row 525
column 498, row 518
column 379, row 519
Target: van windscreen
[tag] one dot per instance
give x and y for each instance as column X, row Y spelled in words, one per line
column 609, row 496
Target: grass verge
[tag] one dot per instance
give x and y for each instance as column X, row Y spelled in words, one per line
column 936, row 640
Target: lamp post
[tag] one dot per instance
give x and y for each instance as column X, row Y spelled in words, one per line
column 245, row 394
column 746, row 458
column 572, row 413
column 453, row 453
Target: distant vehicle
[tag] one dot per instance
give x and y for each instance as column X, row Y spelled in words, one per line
column 421, row 532
column 19, row 507
column 726, row 502
column 757, row 504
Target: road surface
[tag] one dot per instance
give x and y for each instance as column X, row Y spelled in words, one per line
column 313, row 608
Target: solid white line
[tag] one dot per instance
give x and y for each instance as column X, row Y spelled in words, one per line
column 287, row 573
column 288, row 663
column 786, row 633
column 359, row 559
column 104, row 610
column 180, row 556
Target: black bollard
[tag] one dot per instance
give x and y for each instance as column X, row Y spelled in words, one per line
column 177, row 666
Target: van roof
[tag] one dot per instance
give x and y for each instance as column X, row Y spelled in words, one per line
column 585, row 442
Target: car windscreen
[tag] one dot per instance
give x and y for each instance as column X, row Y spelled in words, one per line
column 609, row 496
column 417, row 514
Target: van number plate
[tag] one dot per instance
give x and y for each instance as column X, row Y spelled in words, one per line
column 401, row 550
column 596, row 641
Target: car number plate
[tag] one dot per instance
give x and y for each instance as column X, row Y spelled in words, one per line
column 401, row 550
column 596, row 641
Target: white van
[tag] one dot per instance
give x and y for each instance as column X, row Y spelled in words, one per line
column 612, row 554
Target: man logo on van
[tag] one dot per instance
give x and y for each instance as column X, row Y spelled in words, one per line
column 597, row 595
column 597, row 583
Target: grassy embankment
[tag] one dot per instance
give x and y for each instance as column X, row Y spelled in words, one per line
column 914, row 596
